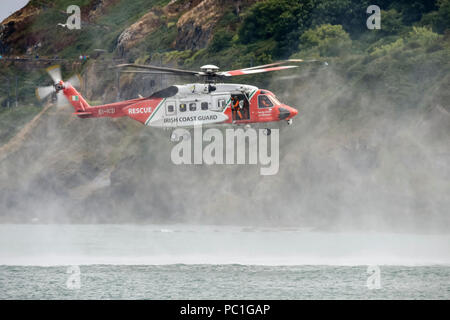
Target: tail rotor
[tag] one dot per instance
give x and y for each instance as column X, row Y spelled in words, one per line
column 58, row 86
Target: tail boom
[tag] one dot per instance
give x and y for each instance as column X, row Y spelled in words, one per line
column 141, row 109
column 75, row 99
column 84, row 110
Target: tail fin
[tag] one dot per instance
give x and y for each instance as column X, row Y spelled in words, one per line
column 76, row 100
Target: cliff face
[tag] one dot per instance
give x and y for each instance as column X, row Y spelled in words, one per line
column 195, row 26
column 21, row 15
column 30, row 26
column 137, row 31
column 98, row 7
column 12, row 34
column 194, row 20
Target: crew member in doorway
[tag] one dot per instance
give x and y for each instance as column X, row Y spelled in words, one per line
column 236, row 108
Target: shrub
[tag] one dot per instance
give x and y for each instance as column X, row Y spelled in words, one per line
column 327, row 40
column 389, row 48
column 280, row 20
column 442, row 22
column 221, row 40
column 391, row 22
column 422, row 36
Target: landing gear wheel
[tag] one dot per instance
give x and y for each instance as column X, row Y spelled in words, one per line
column 174, row 137
column 267, row 132
column 289, row 122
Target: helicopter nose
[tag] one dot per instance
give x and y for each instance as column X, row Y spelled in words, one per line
column 293, row 112
column 287, row 112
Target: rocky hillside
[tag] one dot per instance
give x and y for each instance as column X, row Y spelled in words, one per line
column 369, row 149
column 189, row 24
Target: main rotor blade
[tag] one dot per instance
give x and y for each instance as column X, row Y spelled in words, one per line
column 151, row 72
column 150, row 67
column 242, row 72
column 55, row 73
column 291, row 77
column 278, row 63
column 44, row 92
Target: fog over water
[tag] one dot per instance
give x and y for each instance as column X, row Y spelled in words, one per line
column 56, row 245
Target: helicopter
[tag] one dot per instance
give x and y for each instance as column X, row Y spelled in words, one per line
column 207, row 103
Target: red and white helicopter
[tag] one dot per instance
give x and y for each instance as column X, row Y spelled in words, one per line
column 208, row 103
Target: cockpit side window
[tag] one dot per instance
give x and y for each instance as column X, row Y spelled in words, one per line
column 264, row 101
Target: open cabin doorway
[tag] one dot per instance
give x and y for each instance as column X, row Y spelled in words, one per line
column 240, row 107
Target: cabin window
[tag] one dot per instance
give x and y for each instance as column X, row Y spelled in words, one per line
column 221, row 103
column 170, row 108
column 192, row 106
column 204, row 105
column 183, row 107
column 264, row 102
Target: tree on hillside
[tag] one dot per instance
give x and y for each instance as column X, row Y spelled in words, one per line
column 282, row 20
column 443, row 16
column 412, row 10
column 350, row 14
column 391, row 22
column 326, row 40
column 439, row 20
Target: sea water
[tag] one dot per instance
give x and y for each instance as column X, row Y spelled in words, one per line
column 218, row 262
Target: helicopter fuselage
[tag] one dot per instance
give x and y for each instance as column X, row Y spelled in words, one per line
column 192, row 104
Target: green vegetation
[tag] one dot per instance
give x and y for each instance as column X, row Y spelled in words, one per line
column 325, row 40
column 271, row 30
column 412, row 34
column 440, row 19
column 97, row 33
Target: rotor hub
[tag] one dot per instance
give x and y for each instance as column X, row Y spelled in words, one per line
column 210, row 69
column 59, row 87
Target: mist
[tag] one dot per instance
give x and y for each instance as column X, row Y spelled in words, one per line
column 353, row 160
